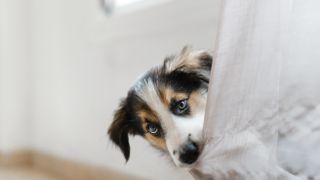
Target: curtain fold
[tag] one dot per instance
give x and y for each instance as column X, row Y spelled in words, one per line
column 258, row 60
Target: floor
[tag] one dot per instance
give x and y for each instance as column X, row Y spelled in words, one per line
column 26, row 165
column 24, row 174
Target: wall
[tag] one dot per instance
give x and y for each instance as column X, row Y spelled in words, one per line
column 15, row 84
column 82, row 62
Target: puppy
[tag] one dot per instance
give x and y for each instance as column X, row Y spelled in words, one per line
column 166, row 107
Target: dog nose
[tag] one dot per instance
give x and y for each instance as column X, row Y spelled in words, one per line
column 189, row 153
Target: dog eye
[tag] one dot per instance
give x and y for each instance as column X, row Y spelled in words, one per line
column 182, row 106
column 153, row 129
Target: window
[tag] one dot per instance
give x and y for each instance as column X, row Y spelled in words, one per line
column 125, row 6
column 123, row 3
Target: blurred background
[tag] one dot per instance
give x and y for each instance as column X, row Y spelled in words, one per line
column 64, row 66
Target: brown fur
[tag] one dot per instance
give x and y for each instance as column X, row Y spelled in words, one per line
column 184, row 76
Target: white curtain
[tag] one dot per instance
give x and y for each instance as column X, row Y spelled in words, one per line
column 262, row 118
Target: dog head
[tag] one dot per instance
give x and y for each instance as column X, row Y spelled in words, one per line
column 166, row 107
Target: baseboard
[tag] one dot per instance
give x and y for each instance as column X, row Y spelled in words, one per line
column 58, row 167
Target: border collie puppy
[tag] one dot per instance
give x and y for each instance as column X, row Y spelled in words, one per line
column 166, row 107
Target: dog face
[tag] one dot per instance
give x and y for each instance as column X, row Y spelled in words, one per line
column 166, row 106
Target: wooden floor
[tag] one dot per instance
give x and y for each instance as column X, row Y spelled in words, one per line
column 24, row 174
column 31, row 165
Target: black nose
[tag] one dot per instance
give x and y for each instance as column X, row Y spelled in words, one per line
column 189, row 153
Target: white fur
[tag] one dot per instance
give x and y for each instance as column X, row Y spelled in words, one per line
column 177, row 128
column 179, row 133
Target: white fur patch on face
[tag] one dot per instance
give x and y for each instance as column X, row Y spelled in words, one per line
column 184, row 130
column 165, row 106
column 179, row 130
column 149, row 93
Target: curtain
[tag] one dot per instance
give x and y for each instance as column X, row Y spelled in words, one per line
column 262, row 117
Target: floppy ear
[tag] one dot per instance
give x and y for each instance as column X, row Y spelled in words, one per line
column 120, row 129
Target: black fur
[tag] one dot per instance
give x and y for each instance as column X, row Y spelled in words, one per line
column 126, row 122
column 184, row 79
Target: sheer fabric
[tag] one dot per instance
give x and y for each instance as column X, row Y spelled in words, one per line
column 264, row 92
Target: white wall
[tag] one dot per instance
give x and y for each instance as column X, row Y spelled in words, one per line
column 82, row 63
column 15, row 84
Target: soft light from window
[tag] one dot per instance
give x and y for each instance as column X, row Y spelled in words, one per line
column 122, row 3
column 125, row 6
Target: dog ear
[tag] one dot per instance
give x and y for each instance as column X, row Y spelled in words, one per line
column 120, row 129
column 188, row 60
